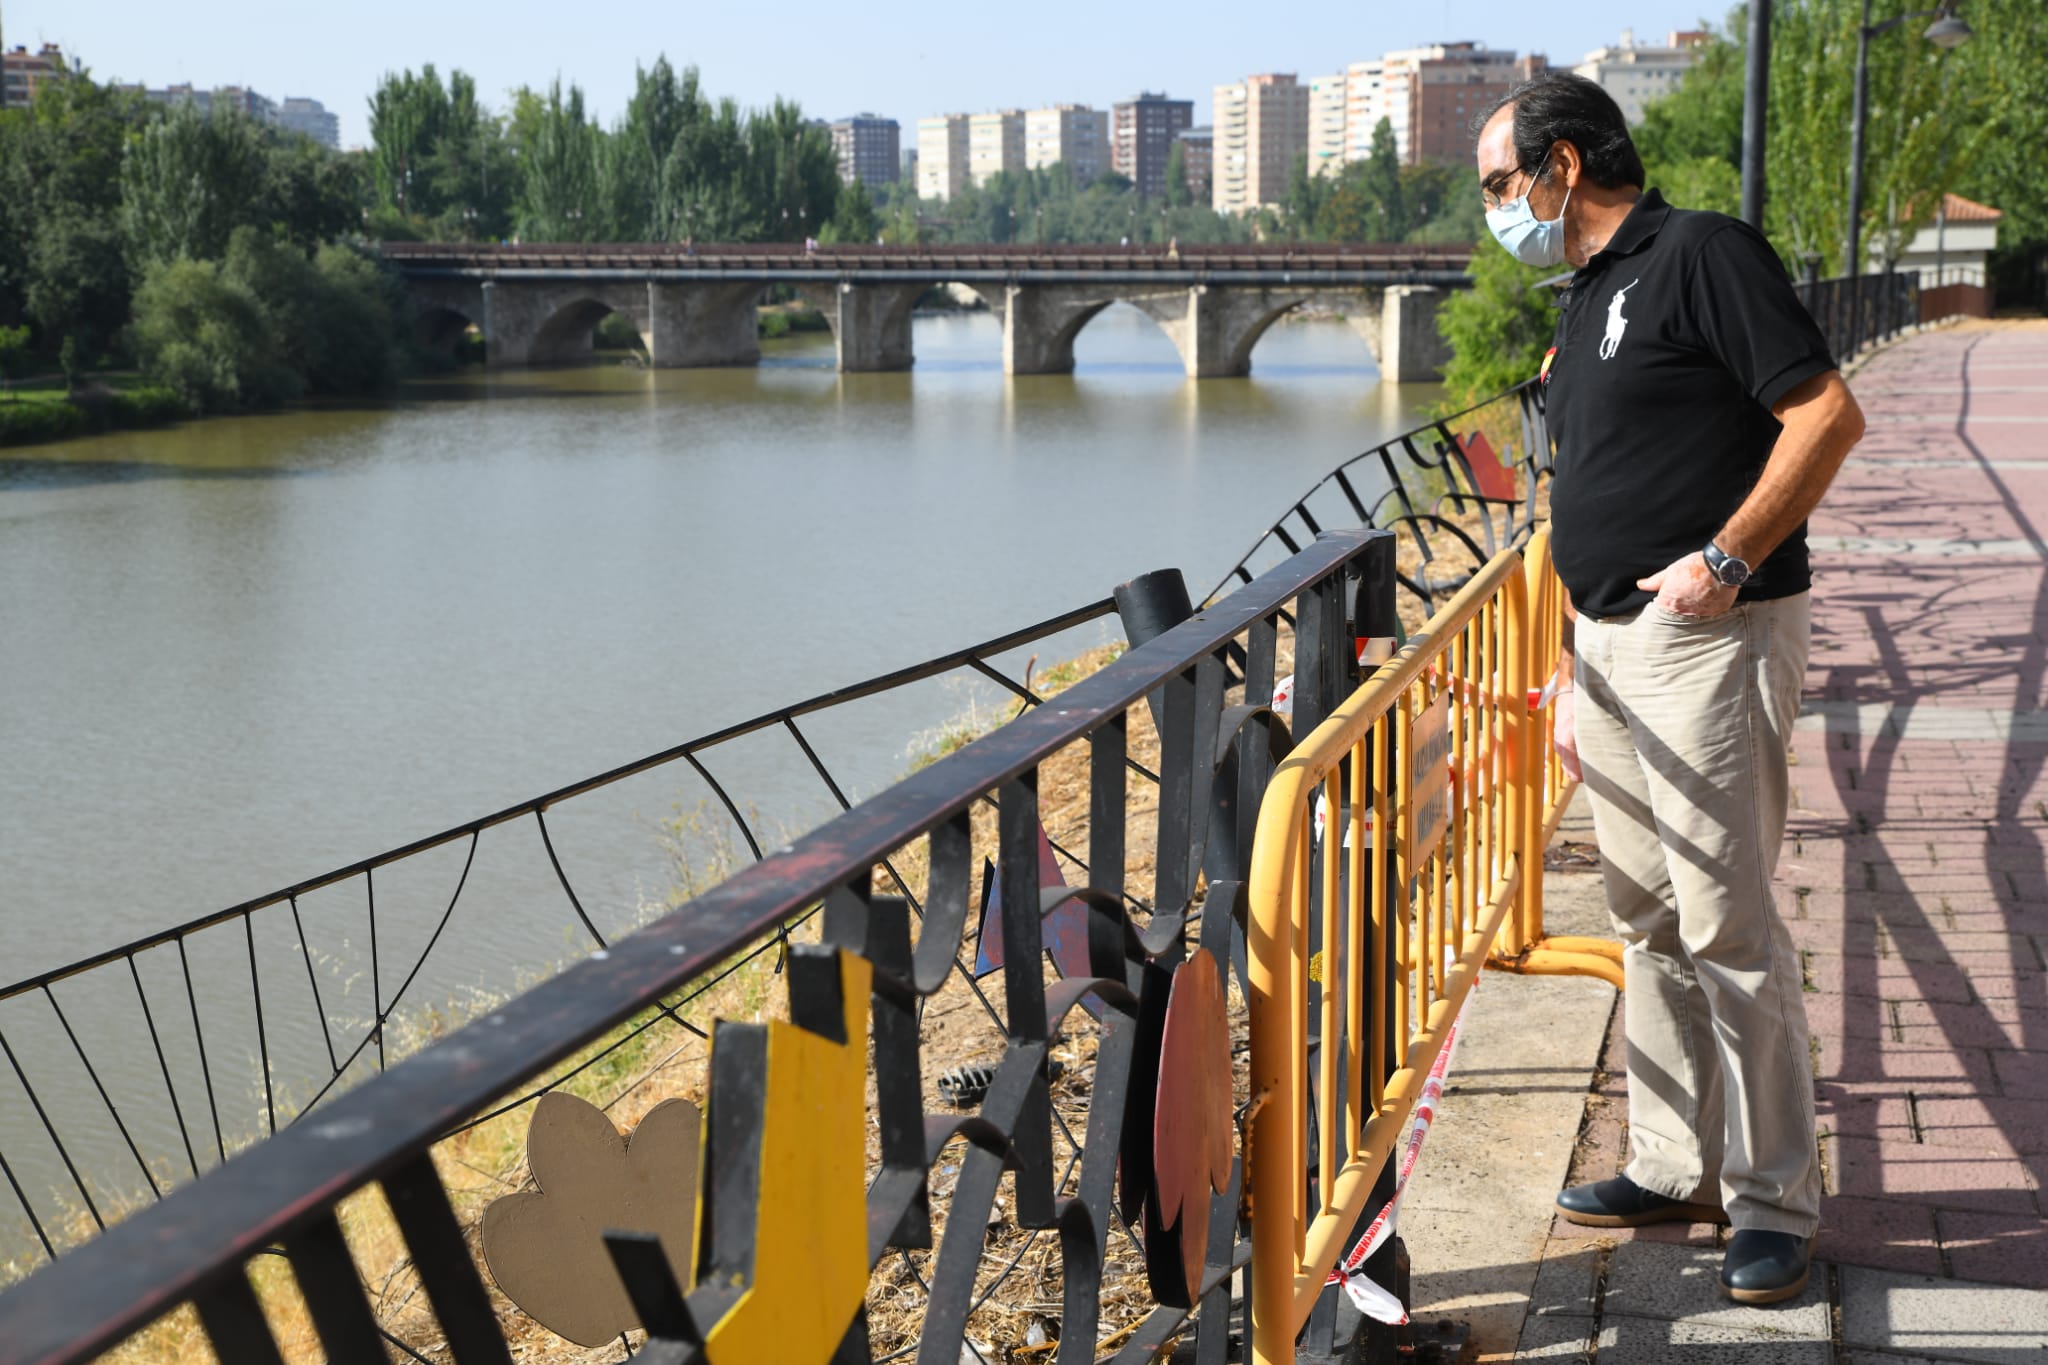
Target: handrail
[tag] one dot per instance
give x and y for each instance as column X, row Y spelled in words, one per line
column 1434, row 786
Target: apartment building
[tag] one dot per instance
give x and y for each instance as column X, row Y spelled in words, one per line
column 1073, row 134
column 870, row 149
column 237, row 98
column 1451, row 90
column 1635, row 74
column 1374, row 89
column 1327, row 114
column 995, row 142
column 23, row 74
column 1198, row 154
column 942, row 156
column 310, row 118
column 1261, row 126
column 1143, row 130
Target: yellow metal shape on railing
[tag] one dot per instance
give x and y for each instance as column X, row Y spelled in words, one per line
column 1397, row 849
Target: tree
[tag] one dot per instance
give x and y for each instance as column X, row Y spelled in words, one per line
column 206, row 338
column 558, row 161
column 1497, row 330
column 408, row 115
column 1380, row 180
column 1933, row 117
column 186, row 184
column 13, row 345
column 1177, row 193
column 854, row 219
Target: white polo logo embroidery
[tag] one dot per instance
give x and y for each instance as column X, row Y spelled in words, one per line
column 1616, row 323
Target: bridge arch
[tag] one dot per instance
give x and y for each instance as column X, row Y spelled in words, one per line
column 562, row 335
column 441, row 328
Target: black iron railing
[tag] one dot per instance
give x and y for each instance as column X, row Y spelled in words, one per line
column 150, row 1063
column 1457, row 491
column 1092, row 1201
column 175, row 1126
column 1856, row 311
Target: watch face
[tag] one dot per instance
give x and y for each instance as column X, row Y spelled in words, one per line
column 1729, row 571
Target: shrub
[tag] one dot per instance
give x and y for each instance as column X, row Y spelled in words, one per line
column 1497, row 330
column 267, row 324
column 149, row 406
column 26, row 423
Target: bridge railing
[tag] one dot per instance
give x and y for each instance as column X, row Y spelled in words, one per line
column 1399, row 850
column 809, row 1184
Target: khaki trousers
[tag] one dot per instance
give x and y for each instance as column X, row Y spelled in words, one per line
column 1683, row 728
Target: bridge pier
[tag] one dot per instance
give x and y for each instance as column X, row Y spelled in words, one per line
column 870, row 323
column 696, row 326
column 1214, row 328
column 1040, row 323
column 1410, row 351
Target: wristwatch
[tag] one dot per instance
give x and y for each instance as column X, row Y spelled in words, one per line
column 1727, row 570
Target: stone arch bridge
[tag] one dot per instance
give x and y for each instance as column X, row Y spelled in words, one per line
column 694, row 305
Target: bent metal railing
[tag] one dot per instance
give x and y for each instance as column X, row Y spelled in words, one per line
column 1458, row 491
column 1398, row 850
column 792, row 1225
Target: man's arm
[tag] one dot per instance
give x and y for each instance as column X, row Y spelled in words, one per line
column 1821, row 422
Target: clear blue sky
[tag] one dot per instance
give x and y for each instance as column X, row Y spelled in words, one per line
column 902, row 60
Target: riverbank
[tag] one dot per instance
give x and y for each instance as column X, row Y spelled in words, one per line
column 48, row 410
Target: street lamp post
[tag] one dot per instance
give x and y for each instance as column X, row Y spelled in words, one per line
column 1947, row 31
column 1756, row 96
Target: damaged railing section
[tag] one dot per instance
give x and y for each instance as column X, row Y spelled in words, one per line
column 1456, row 491
column 807, row 1181
column 1397, row 850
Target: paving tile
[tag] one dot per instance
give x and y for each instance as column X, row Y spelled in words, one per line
column 1987, row 1124
column 1942, row 1319
column 1921, row 1173
column 1566, row 1279
column 2010, row 1247
column 1644, row 1341
column 1890, row 1233
column 1556, row 1339
column 1672, row 1283
column 2022, row 1075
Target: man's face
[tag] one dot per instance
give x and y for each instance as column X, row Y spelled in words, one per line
column 1503, row 177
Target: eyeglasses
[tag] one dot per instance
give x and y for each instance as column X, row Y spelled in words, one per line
column 1491, row 189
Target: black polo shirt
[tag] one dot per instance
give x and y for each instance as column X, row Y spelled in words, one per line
column 1672, row 345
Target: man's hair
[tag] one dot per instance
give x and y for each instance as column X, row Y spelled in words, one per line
column 1559, row 106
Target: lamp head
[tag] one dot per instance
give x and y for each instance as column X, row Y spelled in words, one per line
column 1948, row 31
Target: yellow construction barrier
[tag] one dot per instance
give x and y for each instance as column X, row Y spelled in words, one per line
column 1410, row 824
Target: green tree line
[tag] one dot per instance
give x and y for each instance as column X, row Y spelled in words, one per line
column 677, row 164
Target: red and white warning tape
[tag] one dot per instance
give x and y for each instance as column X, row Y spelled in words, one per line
column 1375, row 1302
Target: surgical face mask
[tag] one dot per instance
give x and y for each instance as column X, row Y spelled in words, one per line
column 1529, row 239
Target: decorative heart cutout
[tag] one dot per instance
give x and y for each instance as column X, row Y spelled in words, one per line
column 546, row 1250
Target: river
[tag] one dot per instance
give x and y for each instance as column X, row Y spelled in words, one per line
column 240, row 651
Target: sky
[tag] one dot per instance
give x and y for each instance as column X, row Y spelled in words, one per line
column 902, row 60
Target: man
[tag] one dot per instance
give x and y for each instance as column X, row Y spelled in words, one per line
column 1698, row 419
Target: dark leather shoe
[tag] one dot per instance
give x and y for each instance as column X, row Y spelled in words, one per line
column 1621, row 1203
column 1765, row 1267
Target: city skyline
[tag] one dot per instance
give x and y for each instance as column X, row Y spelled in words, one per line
column 925, row 61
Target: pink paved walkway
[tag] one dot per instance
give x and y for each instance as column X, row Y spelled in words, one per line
column 1915, row 876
